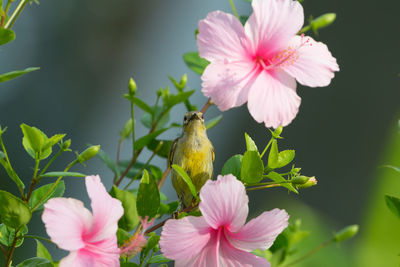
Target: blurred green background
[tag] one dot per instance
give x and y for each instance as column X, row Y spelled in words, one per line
column 88, row 49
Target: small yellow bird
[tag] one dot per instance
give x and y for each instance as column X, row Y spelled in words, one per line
column 194, row 152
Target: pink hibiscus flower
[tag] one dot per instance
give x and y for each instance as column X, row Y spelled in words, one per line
column 260, row 62
column 220, row 237
column 90, row 238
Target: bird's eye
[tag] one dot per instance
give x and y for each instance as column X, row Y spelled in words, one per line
column 184, row 118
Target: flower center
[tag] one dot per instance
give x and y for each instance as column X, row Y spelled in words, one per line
column 284, row 58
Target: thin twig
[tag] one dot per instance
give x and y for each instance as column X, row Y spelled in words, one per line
column 206, row 106
column 164, row 177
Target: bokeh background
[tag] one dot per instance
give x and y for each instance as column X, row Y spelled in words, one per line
column 88, row 49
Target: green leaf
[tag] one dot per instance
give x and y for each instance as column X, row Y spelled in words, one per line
column 69, row 174
column 187, row 180
column 33, row 140
column 2, row 155
column 169, row 208
column 392, row 167
column 128, row 264
column 6, row 36
column 130, row 219
column 13, row 175
column 172, row 100
column 13, row 211
column 57, row 191
column 233, row 166
column 273, row 158
column 252, row 167
column 53, row 140
column 165, row 147
column 285, row 157
column 42, row 252
column 214, row 121
column 195, row 62
column 148, row 197
column 243, row 19
column 7, row 235
column 14, row 74
column 276, row 177
column 393, row 204
column 145, row 140
column 104, row 157
column 151, row 243
column 36, row 262
column 158, row 259
column 143, row 105
column 147, row 119
column 250, row 144
column 136, row 168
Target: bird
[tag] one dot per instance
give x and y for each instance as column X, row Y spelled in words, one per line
column 194, row 153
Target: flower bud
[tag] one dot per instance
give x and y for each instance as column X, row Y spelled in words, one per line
column 126, row 132
column 311, row 182
column 346, row 233
column 65, row 145
column 89, row 153
column 299, row 180
column 183, row 81
column 322, row 21
column 132, row 86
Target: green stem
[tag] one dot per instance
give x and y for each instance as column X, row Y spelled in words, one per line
column 15, row 14
column 21, row 190
column 14, row 243
column 263, row 187
column 304, row 29
column 312, row 252
column 265, row 149
column 143, row 167
column 54, row 185
column 49, row 163
column 270, row 183
column 34, row 181
column 133, row 129
column 233, row 8
column 3, row 250
column 4, row 15
column 38, row 237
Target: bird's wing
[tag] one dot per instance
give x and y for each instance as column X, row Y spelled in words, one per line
column 172, row 152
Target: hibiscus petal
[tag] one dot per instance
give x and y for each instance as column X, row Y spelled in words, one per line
column 272, row 24
column 315, row 65
column 230, row 256
column 184, row 238
column 106, row 210
column 260, row 232
column 208, row 256
column 66, row 220
column 221, row 36
column 92, row 256
column 273, row 99
column 228, row 83
column 224, row 203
